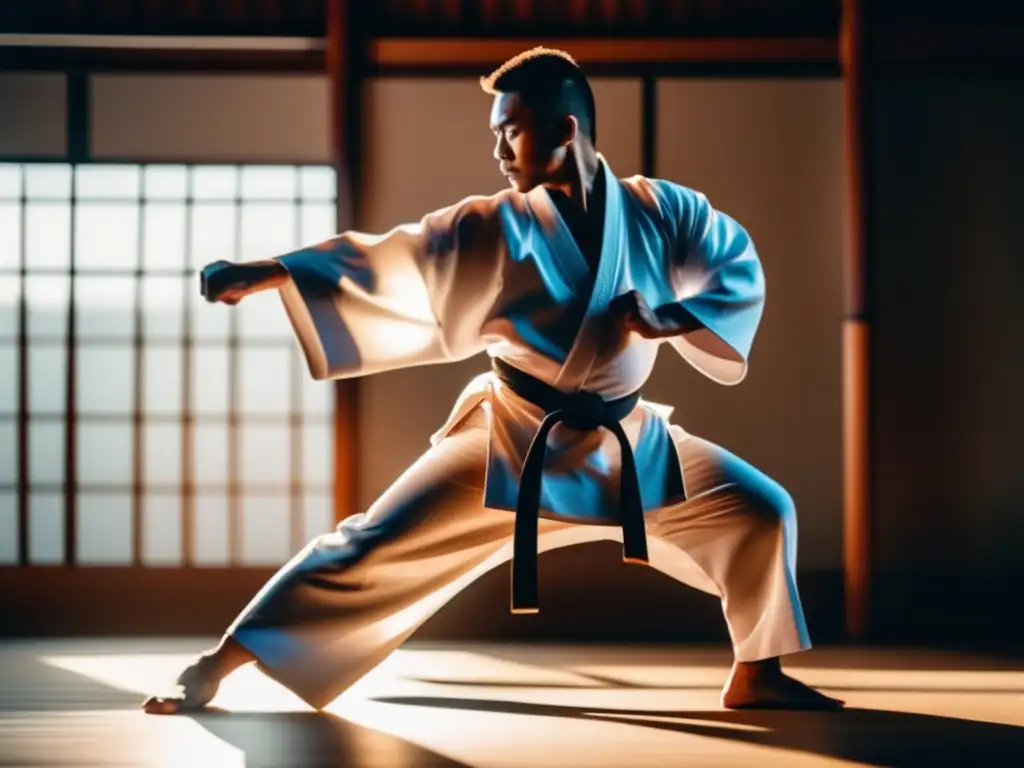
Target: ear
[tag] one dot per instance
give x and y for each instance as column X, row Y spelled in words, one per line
column 570, row 130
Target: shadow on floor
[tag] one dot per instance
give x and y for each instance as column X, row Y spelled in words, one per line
column 314, row 740
column 872, row 737
column 30, row 684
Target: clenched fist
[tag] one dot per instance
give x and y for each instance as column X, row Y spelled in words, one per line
column 229, row 282
column 636, row 315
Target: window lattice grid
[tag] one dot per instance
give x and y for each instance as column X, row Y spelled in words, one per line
column 138, row 424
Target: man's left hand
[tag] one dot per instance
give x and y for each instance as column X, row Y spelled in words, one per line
column 637, row 316
column 634, row 313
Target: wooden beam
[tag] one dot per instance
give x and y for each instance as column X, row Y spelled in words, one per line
column 483, row 52
column 342, row 61
column 857, row 411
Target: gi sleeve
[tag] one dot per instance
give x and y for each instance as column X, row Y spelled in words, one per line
column 417, row 295
column 716, row 278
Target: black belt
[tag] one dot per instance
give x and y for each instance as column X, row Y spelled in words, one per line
column 578, row 410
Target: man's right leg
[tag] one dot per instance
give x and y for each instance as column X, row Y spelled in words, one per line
column 352, row 596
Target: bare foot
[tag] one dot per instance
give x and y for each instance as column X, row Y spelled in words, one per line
column 194, row 689
column 763, row 685
column 198, row 683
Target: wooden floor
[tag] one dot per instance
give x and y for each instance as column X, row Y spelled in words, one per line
column 74, row 703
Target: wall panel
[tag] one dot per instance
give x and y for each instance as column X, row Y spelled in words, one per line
column 211, row 118
column 948, row 373
column 769, row 153
column 33, row 115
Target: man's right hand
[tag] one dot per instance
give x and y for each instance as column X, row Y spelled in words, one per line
column 229, row 282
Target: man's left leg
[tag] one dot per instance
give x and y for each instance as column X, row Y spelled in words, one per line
column 735, row 537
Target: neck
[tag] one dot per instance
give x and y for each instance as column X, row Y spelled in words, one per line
column 578, row 174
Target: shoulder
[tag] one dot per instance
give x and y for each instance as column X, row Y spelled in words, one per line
column 470, row 208
column 679, row 207
column 470, row 218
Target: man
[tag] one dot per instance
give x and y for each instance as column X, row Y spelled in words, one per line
column 555, row 278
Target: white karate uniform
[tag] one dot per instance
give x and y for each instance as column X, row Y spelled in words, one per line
column 502, row 274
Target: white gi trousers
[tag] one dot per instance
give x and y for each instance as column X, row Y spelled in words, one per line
column 350, row 597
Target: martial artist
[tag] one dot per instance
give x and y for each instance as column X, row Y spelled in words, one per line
column 571, row 280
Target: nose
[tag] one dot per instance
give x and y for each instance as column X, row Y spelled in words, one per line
column 502, row 151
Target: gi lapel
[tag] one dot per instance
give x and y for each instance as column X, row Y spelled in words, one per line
column 602, row 287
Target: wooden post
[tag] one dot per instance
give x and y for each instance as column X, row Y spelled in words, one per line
column 342, row 60
column 857, row 411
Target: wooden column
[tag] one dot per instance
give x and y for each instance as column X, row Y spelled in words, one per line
column 857, row 411
column 343, row 39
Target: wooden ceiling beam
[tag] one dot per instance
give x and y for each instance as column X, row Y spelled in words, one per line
column 483, row 52
column 896, row 49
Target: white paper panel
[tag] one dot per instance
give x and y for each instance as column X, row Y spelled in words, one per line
column 46, row 528
column 210, row 380
column 210, row 546
column 265, row 375
column 268, row 182
column 96, row 181
column 10, row 235
column 8, row 528
column 164, row 235
column 48, row 298
column 106, row 379
column 210, row 451
column 10, row 296
column 48, row 180
column 8, row 378
column 317, row 453
column 165, row 182
column 317, row 515
column 162, row 446
column 46, row 452
column 8, row 452
column 266, row 537
column 47, row 235
column 318, row 182
column 104, row 533
column 162, row 374
column 265, row 453
column 161, row 529
column 47, row 378
column 106, row 235
column 317, row 396
column 105, row 307
column 163, row 300
column 105, row 454
column 10, row 180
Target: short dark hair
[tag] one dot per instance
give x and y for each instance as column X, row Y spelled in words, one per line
column 548, row 80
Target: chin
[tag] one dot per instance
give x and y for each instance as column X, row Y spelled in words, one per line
column 521, row 185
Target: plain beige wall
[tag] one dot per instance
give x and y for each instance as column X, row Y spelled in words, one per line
column 770, row 153
column 33, row 114
column 949, row 378
column 211, row 118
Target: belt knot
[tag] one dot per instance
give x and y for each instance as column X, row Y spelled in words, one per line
column 584, row 410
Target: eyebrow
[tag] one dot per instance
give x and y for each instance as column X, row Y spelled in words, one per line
column 503, row 124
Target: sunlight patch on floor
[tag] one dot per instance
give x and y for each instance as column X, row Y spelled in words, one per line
column 478, row 709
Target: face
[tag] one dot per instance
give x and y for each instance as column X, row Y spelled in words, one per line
column 529, row 152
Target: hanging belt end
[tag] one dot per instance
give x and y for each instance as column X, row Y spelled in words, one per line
column 524, row 611
column 636, row 560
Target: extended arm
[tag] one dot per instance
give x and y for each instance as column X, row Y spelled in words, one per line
column 361, row 304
